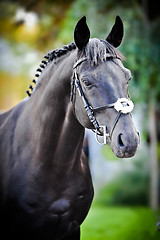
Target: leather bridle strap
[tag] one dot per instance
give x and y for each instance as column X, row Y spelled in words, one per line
column 122, row 106
column 86, row 104
column 98, row 109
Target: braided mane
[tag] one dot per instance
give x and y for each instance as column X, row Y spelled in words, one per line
column 96, row 51
column 50, row 56
column 59, row 52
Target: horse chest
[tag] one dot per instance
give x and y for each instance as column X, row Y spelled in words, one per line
column 51, row 204
column 71, row 195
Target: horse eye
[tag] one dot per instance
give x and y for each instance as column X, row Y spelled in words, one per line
column 87, row 83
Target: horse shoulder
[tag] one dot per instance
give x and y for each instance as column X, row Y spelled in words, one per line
column 4, row 116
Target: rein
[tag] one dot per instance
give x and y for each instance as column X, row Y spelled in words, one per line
column 122, row 106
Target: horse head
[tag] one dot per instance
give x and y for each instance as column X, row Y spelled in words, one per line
column 100, row 87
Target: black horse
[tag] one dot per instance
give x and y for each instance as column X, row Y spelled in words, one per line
column 45, row 184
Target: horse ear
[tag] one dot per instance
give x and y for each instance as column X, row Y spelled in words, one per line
column 116, row 34
column 81, row 33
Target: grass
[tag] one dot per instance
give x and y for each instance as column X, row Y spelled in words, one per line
column 120, row 223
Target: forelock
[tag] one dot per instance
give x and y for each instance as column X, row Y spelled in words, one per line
column 100, row 50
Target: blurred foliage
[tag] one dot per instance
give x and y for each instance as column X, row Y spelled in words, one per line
column 16, row 91
column 124, row 223
column 128, row 188
column 28, row 29
column 54, row 23
column 49, row 14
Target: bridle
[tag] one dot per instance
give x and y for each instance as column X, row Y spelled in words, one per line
column 122, row 106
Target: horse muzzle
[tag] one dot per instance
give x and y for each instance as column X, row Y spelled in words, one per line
column 124, row 143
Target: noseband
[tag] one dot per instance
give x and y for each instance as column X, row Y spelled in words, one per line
column 122, row 106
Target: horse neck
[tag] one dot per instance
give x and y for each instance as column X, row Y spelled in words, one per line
column 57, row 133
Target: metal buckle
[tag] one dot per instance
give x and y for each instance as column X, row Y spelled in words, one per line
column 104, row 135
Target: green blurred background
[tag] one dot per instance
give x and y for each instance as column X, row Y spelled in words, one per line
column 126, row 207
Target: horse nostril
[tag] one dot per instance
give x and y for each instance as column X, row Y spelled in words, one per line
column 120, row 141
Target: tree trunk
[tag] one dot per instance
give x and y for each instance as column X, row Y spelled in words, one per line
column 153, row 158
